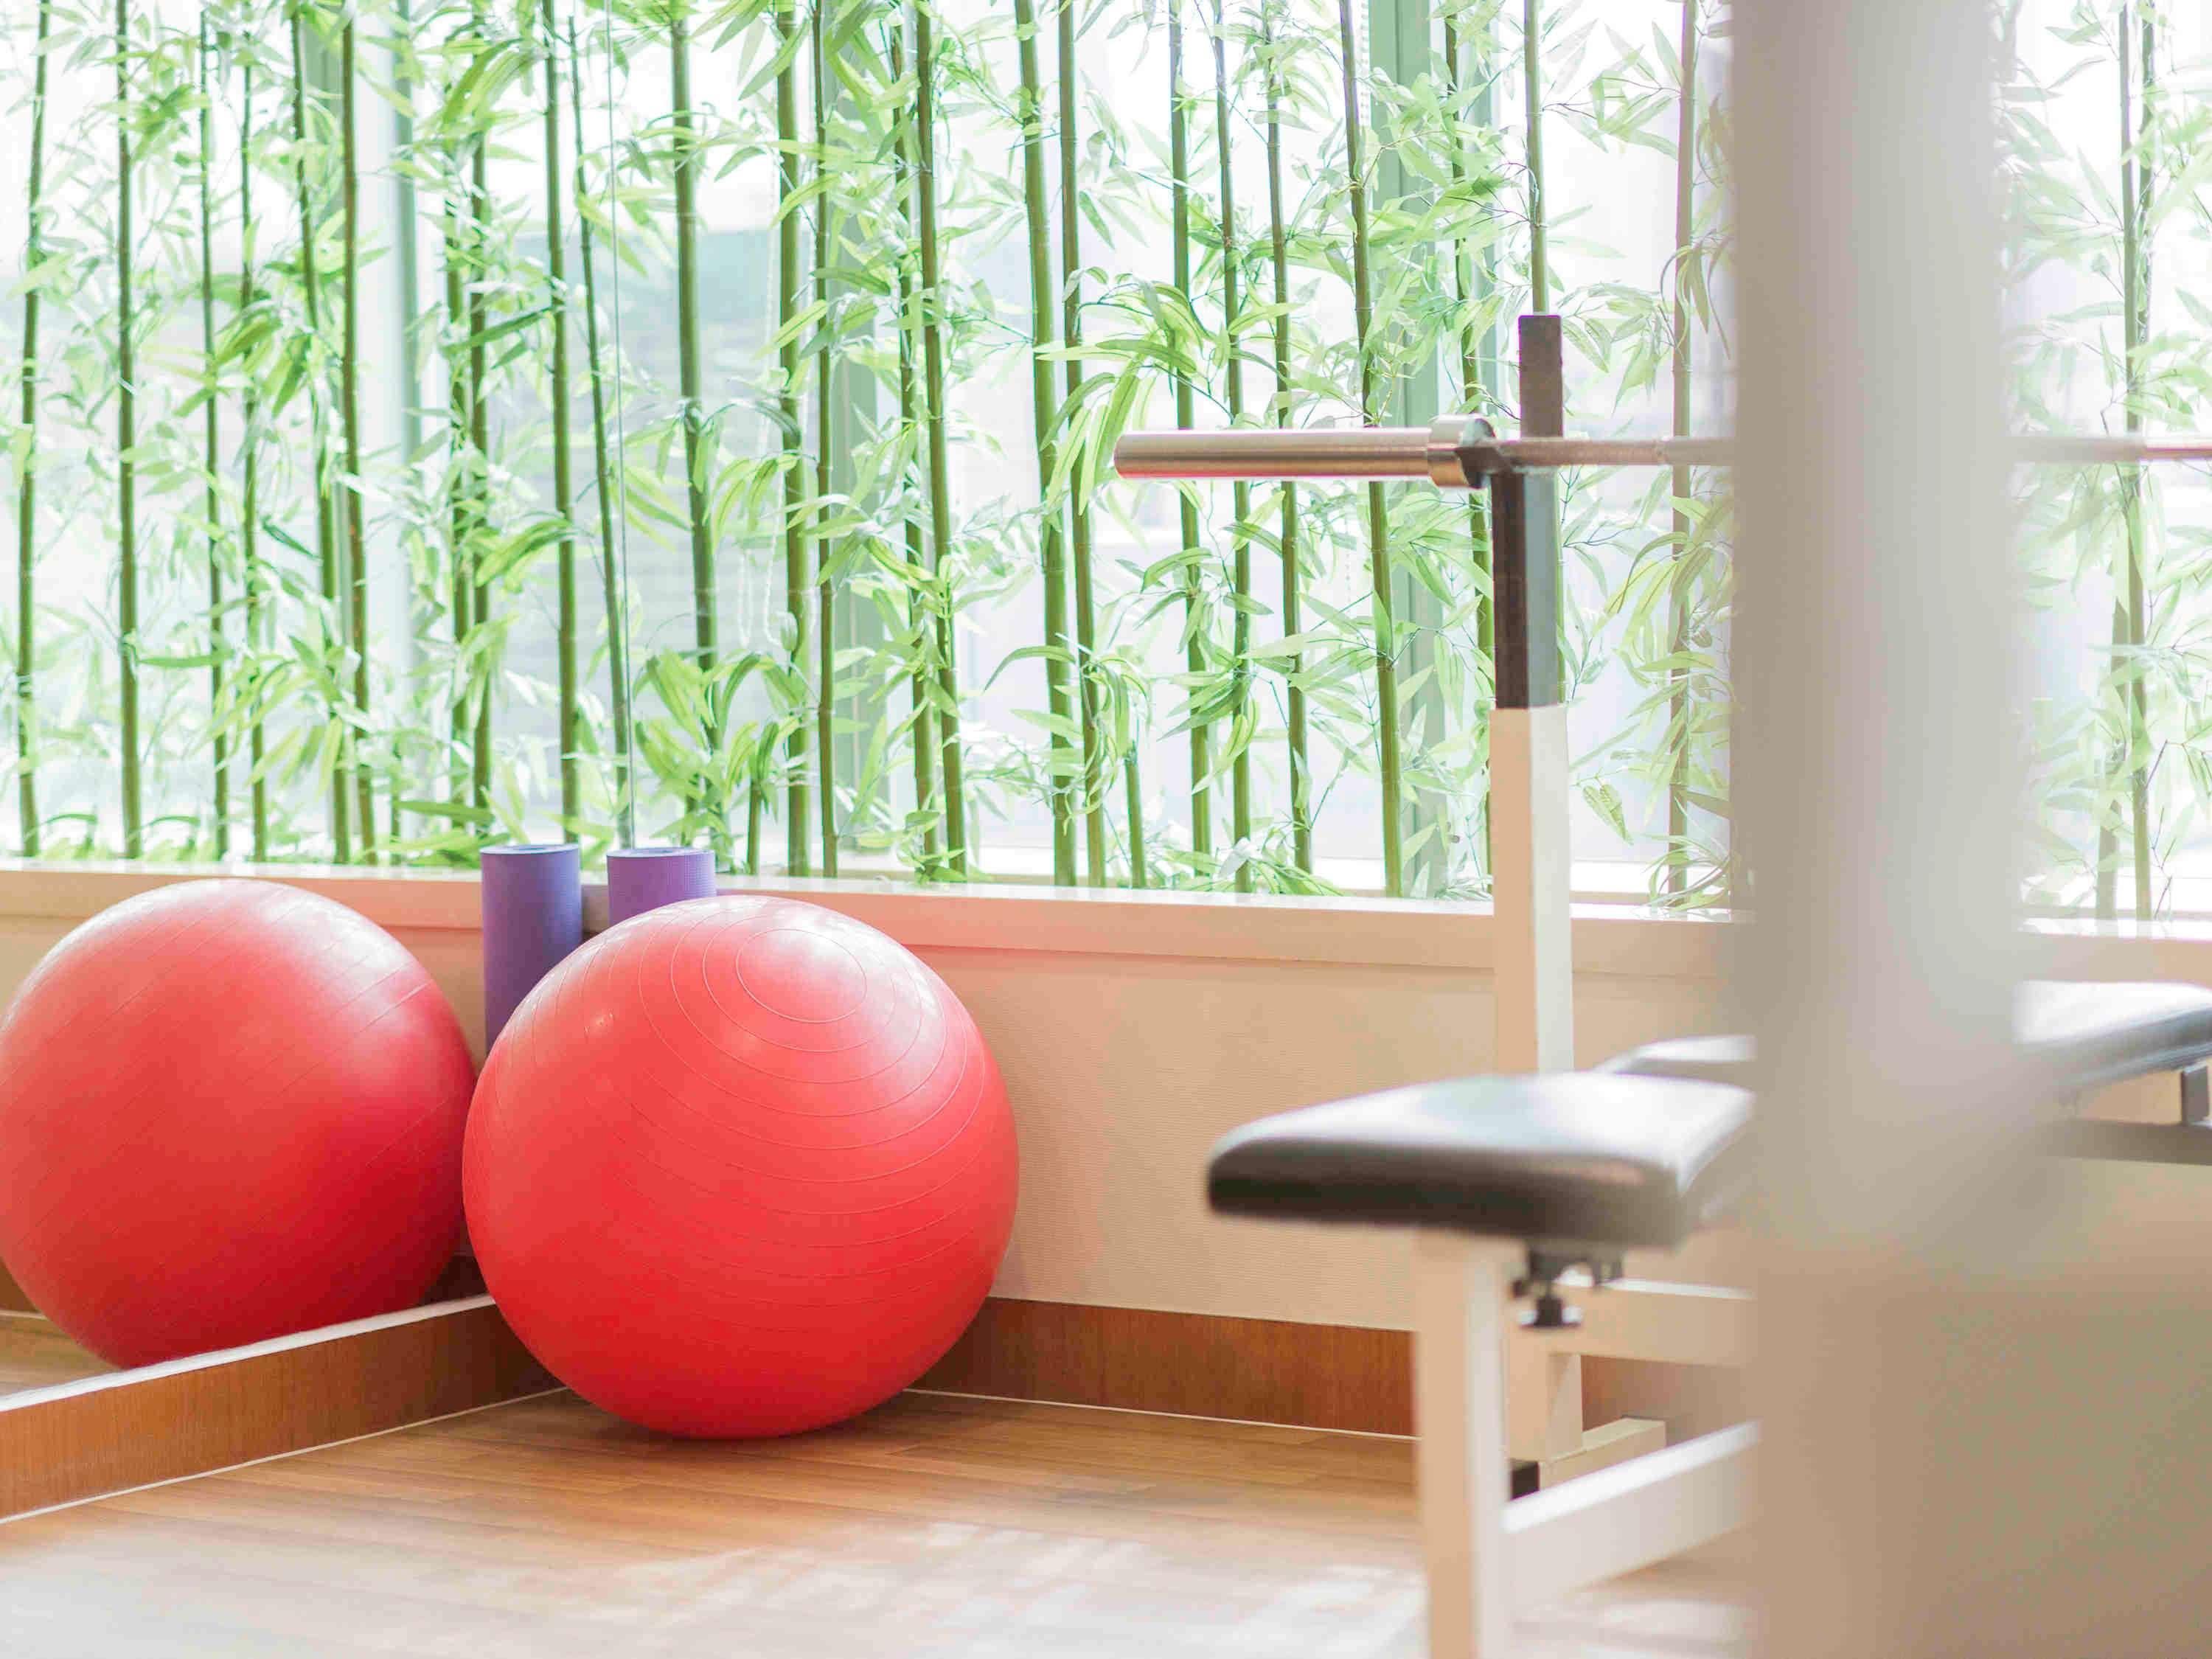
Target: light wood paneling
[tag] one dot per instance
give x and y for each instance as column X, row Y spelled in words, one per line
column 33, row 1354
column 1133, row 1031
column 191, row 1415
column 930, row 1528
column 1256, row 1371
column 1125, row 1071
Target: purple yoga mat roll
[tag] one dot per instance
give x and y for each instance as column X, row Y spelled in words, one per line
column 642, row 879
column 533, row 916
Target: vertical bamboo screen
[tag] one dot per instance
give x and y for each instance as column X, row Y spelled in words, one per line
column 734, row 467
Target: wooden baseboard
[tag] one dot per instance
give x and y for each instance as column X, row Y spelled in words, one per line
column 1266, row 1371
column 189, row 1416
column 1261, row 1371
column 130, row 1428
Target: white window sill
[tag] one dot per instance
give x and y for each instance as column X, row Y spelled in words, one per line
column 1389, row 933
column 1608, row 938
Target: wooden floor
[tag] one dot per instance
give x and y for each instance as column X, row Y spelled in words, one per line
column 935, row 1526
column 35, row 1355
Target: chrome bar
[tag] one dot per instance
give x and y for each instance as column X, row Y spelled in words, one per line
column 1512, row 455
column 1358, row 452
column 1458, row 452
column 2089, row 449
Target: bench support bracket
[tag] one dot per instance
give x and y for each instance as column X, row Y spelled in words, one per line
column 1489, row 1556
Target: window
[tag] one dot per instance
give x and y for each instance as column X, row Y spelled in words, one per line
column 1160, row 692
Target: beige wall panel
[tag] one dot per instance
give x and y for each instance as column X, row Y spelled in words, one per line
column 1134, row 1034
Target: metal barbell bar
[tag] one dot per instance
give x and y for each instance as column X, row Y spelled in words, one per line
column 1459, row 452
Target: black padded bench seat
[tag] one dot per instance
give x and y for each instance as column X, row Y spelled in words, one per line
column 1573, row 1158
column 2088, row 1034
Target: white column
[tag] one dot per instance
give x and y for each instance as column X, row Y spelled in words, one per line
column 1973, row 1443
column 1459, row 1291
column 1533, row 970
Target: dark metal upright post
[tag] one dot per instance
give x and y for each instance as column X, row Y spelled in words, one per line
column 1532, row 966
column 1524, row 536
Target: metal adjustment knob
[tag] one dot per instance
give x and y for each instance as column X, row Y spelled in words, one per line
column 1540, row 1285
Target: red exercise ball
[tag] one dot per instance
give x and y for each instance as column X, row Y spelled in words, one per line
column 228, row 1111
column 738, row 1167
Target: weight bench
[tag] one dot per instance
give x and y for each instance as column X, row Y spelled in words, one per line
column 1533, row 1188
column 1537, row 1183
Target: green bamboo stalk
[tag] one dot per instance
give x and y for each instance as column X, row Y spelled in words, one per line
column 2130, row 620
column 27, row 499
column 211, row 452
column 1078, row 508
column 940, row 480
column 1461, row 65
column 1531, row 80
column 1240, row 540
column 481, row 752
column 1470, row 285
column 1133, row 795
column 1201, row 742
column 249, row 466
column 1480, row 360
column 326, row 555
column 556, row 283
column 705, row 604
column 825, row 631
column 460, row 466
column 1678, row 598
column 406, row 259
column 126, row 439
column 1050, row 540
column 1293, row 584
column 2138, row 601
column 1378, row 523
column 2107, row 820
column 1478, row 348
column 349, row 393
column 795, row 580
column 905, row 308
column 612, row 596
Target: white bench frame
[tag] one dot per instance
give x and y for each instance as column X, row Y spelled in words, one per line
column 1489, row 1557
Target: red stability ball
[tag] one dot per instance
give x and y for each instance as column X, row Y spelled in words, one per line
column 228, row 1111
column 740, row 1166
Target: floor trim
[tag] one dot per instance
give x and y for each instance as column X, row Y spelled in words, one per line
column 128, row 1429
column 1267, row 1370
column 1252, row 1370
column 278, row 1457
